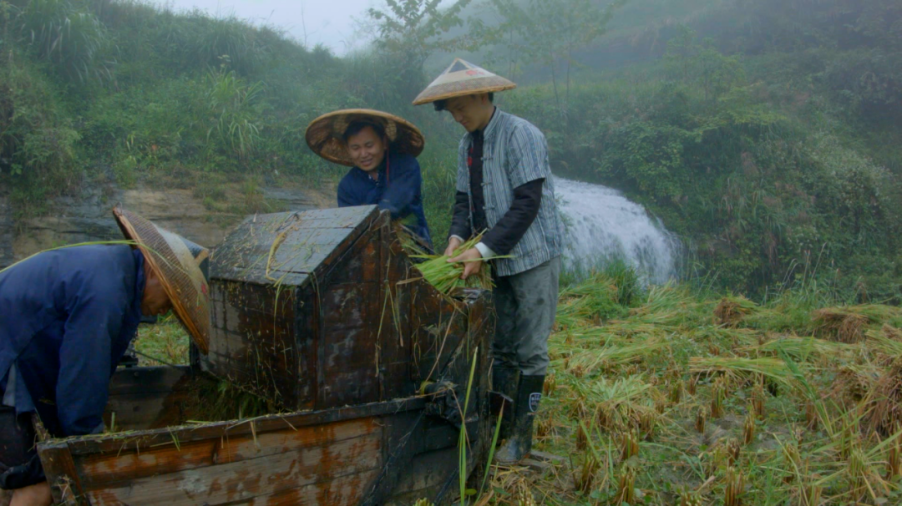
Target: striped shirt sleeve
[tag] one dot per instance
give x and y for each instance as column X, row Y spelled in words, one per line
column 527, row 153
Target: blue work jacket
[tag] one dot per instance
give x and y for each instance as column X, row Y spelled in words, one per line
column 66, row 318
column 398, row 190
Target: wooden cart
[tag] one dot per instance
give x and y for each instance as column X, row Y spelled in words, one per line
column 322, row 314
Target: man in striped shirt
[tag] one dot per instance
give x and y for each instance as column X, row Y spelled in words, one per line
column 505, row 189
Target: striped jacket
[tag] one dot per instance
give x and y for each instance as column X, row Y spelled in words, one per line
column 514, row 153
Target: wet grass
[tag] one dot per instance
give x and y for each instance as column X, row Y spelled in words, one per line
column 166, row 341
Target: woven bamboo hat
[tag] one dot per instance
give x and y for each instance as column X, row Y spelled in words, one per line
column 462, row 78
column 182, row 266
column 325, row 134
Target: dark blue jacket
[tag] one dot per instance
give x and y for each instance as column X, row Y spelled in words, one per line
column 66, row 318
column 399, row 190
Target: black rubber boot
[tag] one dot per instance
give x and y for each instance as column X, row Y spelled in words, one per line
column 504, row 381
column 526, row 404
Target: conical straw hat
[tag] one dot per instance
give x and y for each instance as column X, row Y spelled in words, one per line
column 182, row 266
column 324, row 134
column 462, row 78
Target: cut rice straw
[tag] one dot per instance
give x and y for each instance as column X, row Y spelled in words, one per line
column 773, row 368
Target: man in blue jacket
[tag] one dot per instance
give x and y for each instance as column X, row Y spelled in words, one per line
column 381, row 149
column 66, row 318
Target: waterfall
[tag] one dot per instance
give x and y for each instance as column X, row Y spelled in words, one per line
column 603, row 225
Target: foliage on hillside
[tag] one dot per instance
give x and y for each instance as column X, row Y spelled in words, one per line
column 770, row 158
column 764, row 133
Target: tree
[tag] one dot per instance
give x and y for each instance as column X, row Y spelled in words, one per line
column 409, row 31
column 549, row 32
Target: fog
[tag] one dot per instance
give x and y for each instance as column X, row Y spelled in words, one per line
column 332, row 24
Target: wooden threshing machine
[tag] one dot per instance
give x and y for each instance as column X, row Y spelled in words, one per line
column 322, row 314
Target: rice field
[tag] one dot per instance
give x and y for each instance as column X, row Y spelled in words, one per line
column 676, row 398
column 668, row 396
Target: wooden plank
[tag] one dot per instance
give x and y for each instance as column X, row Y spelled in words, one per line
column 344, row 490
column 102, row 469
column 426, row 473
column 59, row 468
column 86, row 445
column 236, row 481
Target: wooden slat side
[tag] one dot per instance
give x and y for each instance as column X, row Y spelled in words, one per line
column 87, row 445
column 147, row 379
column 240, row 481
column 102, row 469
column 345, row 490
column 148, row 397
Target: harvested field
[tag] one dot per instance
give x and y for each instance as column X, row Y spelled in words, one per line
column 691, row 400
column 667, row 397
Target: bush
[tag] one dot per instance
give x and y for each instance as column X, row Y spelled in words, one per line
column 37, row 139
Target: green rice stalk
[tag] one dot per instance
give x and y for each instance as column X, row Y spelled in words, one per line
column 443, row 275
column 773, row 368
column 462, row 442
column 801, row 348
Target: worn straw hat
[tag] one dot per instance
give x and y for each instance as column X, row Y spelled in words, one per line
column 462, row 78
column 324, row 134
column 182, row 266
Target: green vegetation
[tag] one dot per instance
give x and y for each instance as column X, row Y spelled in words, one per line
column 761, row 132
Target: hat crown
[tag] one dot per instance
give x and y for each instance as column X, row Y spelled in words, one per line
column 182, row 267
column 462, row 78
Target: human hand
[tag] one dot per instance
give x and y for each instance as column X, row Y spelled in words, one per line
column 453, row 244
column 472, row 259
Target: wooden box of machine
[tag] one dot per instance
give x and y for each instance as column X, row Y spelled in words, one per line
column 320, row 309
column 364, row 365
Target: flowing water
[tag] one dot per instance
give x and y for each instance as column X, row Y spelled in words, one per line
column 603, row 225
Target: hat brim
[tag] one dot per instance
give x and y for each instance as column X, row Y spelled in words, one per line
column 178, row 268
column 324, row 134
column 461, row 89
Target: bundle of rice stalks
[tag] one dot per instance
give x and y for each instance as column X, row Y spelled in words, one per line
column 885, row 404
column 847, row 324
column 591, row 302
column 615, row 354
column 745, row 368
column 443, row 275
column 672, row 306
column 886, row 342
column 731, row 310
column 854, row 384
column 622, row 398
column 803, row 347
